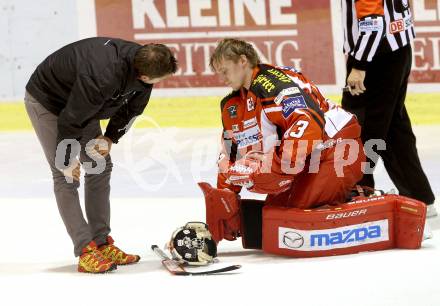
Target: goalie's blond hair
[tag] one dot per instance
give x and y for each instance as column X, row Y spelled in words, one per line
column 232, row 49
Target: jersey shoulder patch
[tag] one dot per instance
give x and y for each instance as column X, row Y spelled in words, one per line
column 270, row 81
column 230, row 96
column 290, row 104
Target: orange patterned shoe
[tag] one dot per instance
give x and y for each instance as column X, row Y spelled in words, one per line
column 92, row 260
column 113, row 253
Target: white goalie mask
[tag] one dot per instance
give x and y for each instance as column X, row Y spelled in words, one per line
column 193, row 244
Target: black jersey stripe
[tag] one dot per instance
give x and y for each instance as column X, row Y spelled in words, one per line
column 267, row 103
column 369, row 46
column 319, row 122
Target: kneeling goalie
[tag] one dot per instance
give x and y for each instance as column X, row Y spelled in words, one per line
column 281, row 137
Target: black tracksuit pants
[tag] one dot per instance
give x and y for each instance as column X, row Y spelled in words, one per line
column 382, row 114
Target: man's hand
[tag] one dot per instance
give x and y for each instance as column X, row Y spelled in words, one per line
column 355, row 82
column 73, row 172
column 103, row 145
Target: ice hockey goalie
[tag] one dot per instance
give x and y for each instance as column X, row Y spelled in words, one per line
column 282, row 138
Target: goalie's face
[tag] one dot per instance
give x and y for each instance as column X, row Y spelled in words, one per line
column 234, row 74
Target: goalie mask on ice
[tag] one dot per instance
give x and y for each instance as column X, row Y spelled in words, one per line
column 193, row 244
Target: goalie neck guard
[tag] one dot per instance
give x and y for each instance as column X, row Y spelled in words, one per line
column 193, row 244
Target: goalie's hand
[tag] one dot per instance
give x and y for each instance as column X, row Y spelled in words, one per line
column 241, row 173
column 248, row 172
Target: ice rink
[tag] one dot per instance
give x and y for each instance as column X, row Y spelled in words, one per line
column 153, row 192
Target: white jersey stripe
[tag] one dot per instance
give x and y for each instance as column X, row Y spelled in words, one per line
column 269, row 132
column 391, row 39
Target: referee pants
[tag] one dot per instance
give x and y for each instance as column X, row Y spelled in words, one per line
column 382, row 114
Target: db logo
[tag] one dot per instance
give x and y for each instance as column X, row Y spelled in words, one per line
column 397, row 26
column 293, row 240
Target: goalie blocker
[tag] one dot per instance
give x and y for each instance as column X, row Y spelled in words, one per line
column 365, row 224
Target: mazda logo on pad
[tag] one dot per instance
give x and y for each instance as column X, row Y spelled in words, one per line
column 293, row 240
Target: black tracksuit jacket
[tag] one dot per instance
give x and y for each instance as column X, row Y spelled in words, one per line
column 91, row 79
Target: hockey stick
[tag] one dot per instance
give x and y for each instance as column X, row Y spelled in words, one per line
column 176, row 268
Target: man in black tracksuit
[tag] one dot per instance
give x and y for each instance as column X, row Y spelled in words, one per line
column 66, row 97
column 377, row 37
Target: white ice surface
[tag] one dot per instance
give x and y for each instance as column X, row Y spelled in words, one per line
column 37, row 266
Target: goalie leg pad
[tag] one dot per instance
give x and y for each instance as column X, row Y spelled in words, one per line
column 366, row 224
column 222, row 212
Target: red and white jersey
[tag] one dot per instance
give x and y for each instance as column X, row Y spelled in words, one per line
column 283, row 114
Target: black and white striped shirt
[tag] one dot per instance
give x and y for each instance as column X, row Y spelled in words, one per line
column 370, row 25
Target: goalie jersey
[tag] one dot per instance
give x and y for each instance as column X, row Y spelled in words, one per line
column 283, row 114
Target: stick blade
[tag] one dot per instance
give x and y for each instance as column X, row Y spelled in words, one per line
column 176, row 268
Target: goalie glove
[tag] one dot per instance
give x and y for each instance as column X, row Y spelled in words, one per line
column 248, row 172
column 222, row 212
